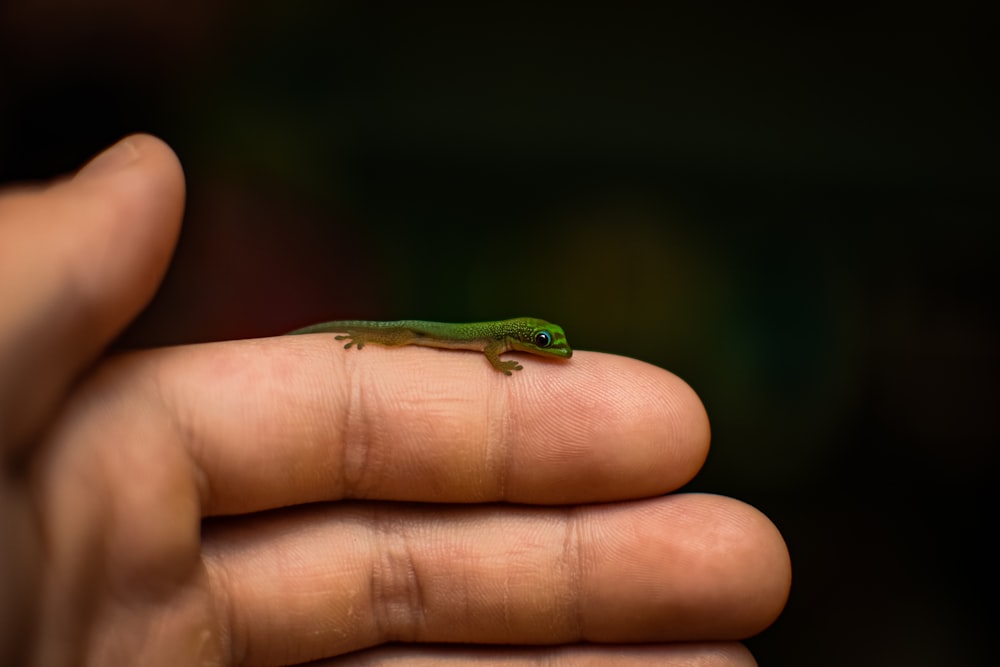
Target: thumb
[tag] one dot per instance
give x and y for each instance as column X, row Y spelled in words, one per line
column 78, row 260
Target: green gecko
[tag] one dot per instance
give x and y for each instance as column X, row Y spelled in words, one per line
column 523, row 334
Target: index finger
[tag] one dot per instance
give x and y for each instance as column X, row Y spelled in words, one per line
column 289, row 420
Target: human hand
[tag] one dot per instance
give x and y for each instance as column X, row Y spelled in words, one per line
column 281, row 500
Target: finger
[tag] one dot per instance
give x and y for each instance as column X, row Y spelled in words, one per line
column 276, row 422
column 727, row 654
column 78, row 259
column 338, row 578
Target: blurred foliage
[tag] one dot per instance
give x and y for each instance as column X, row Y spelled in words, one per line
column 795, row 213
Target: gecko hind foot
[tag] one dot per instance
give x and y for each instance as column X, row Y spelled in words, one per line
column 350, row 341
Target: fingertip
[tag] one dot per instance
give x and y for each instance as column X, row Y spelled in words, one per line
column 775, row 569
column 141, row 170
column 113, row 158
column 756, row 557
column 694, row 426
column 140, row 167
column 683, row 417
column 610, row 428
column 722, row 568
column 136, row 190
column 678, row 433
column 125, row 152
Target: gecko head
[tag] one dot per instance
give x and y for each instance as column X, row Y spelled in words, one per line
column 541, row 337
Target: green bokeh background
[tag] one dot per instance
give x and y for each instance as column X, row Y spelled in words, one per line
column 794, row 212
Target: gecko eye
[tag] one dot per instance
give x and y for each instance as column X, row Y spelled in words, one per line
column 543, row 339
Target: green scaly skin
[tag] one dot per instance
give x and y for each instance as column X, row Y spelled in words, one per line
column 522, row 334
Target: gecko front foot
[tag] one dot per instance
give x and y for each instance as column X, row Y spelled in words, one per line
column 506, row 366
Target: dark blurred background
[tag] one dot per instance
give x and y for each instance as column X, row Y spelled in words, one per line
column 797, row 213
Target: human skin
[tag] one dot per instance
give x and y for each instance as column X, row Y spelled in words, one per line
column 276, row 501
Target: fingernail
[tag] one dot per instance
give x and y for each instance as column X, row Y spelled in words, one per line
column 111, row 159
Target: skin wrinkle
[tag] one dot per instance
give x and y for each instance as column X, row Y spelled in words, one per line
column 498, row 438
column 417, row 600
column 397, row 597
column 357, row 446
column 221, row 592
column 182, row 423
column 335, row 404
column 507, row 623
column 572, row 556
